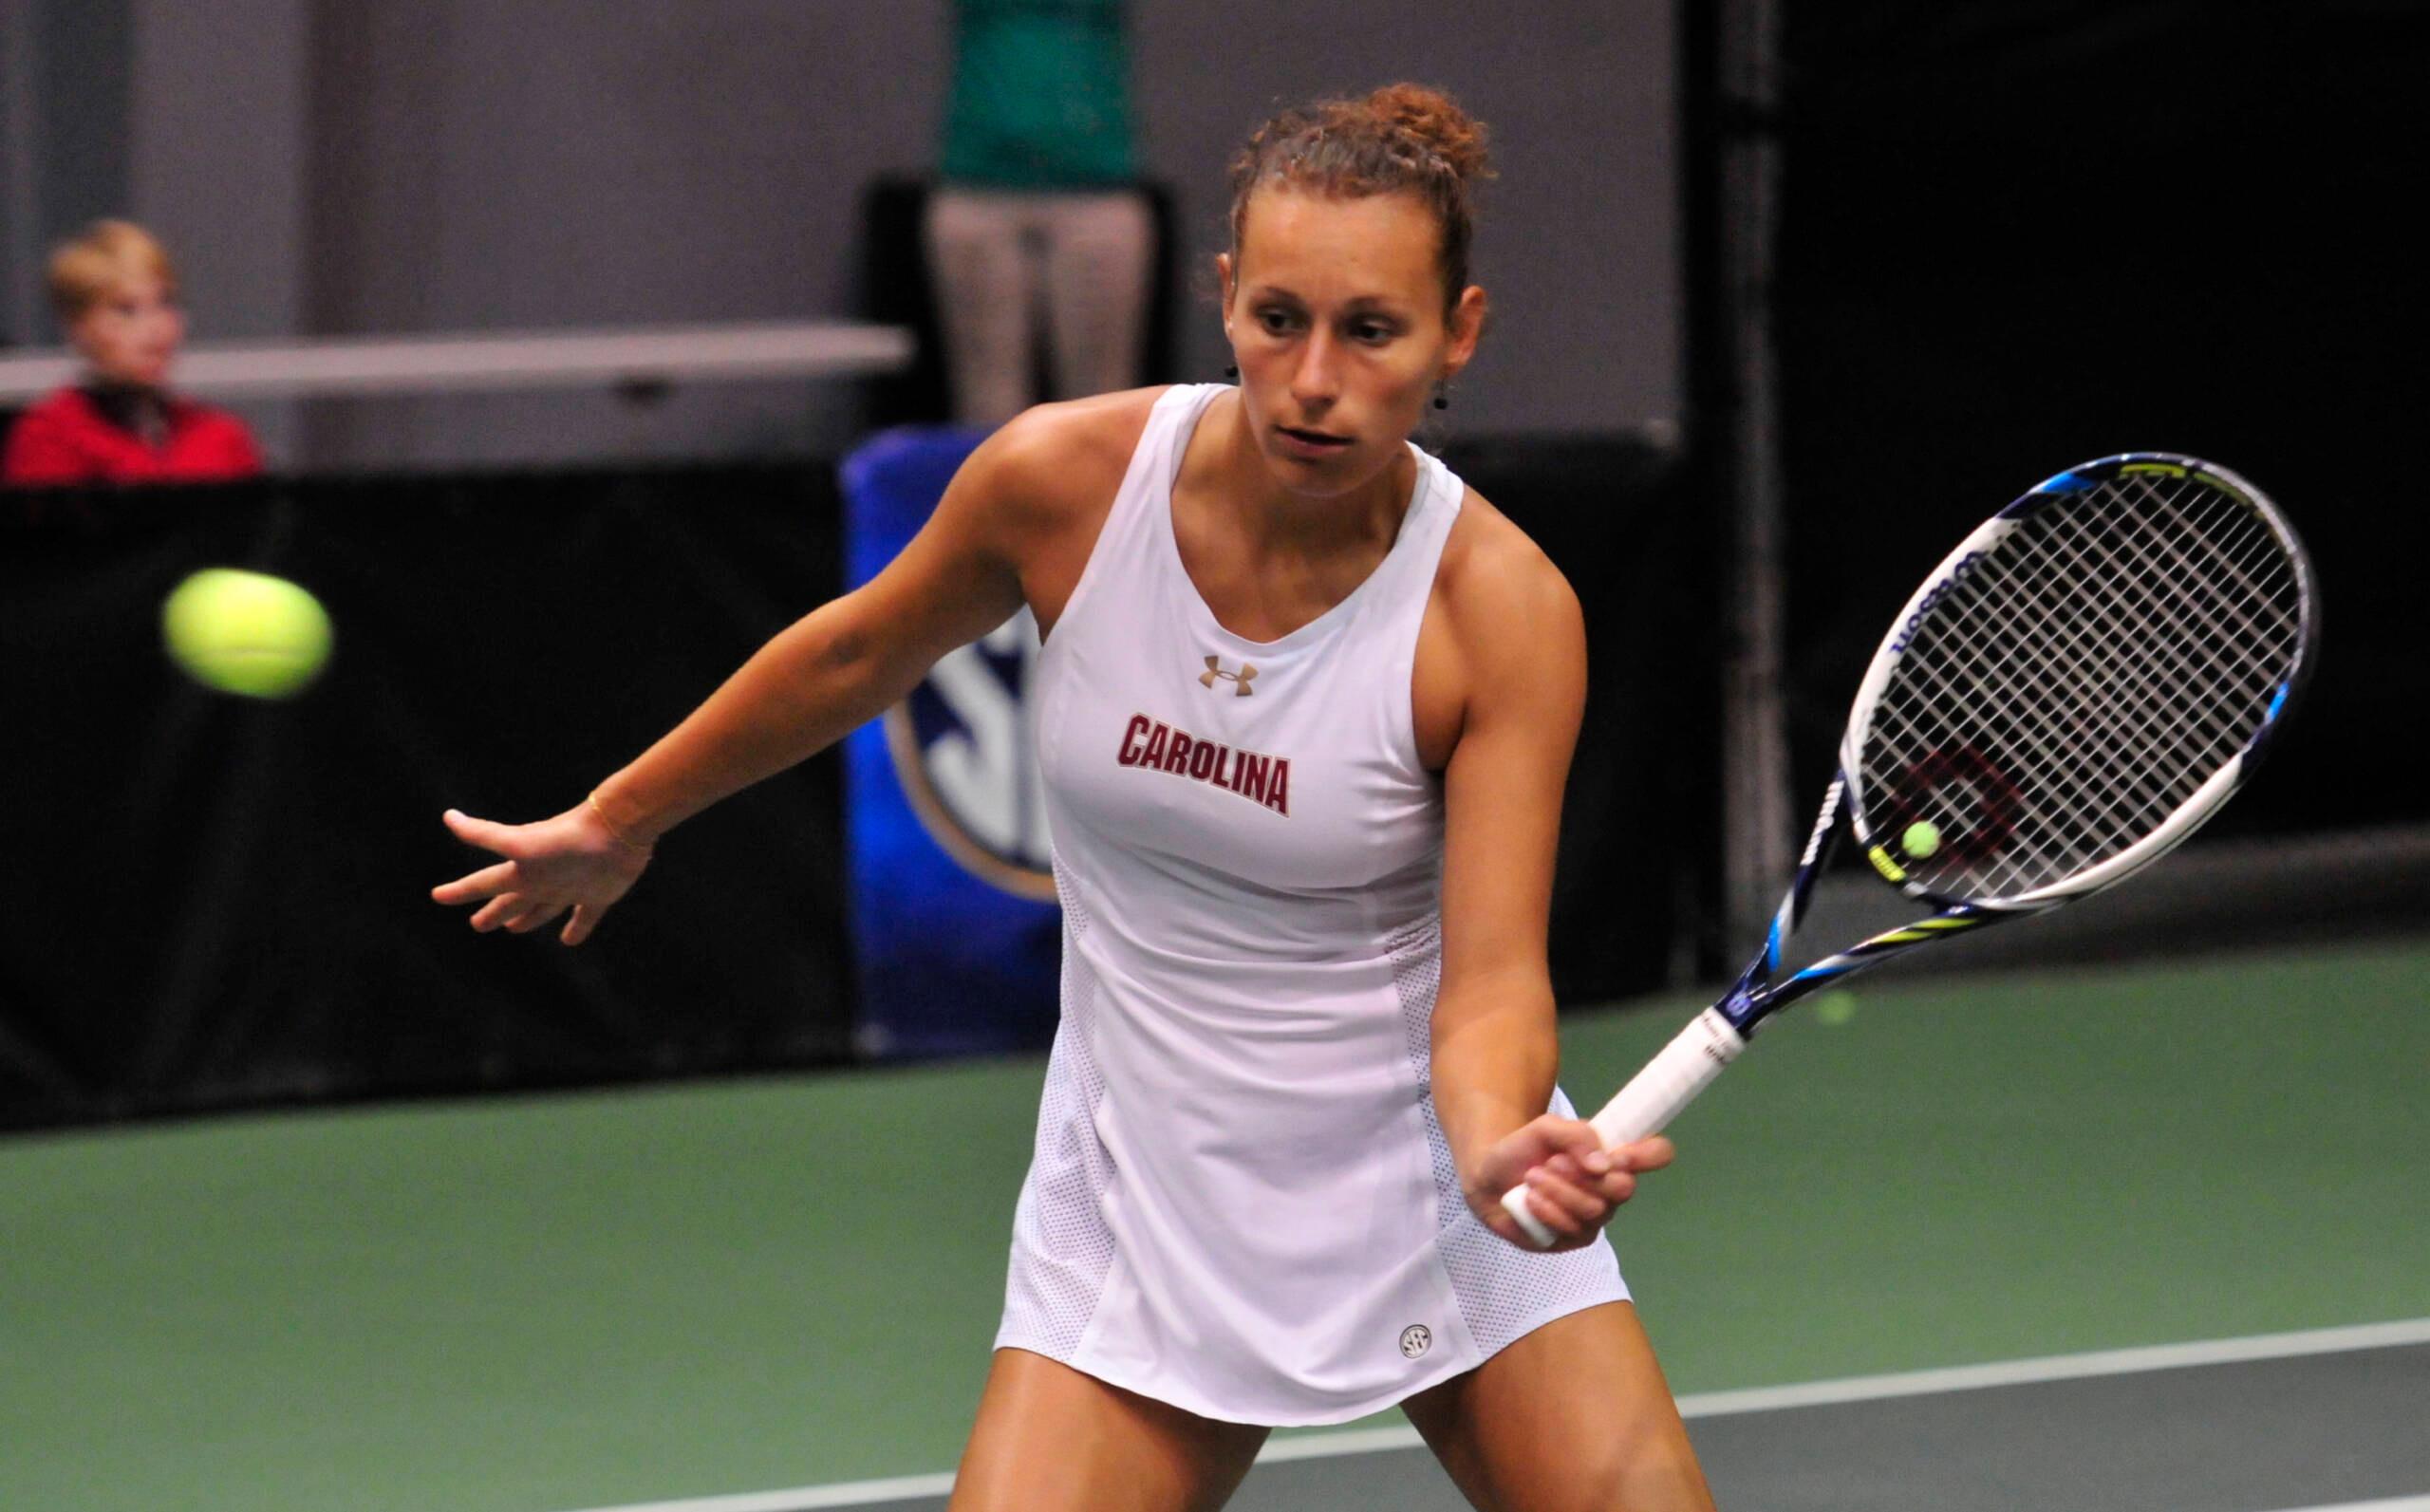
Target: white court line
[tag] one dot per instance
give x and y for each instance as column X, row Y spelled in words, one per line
column 1717, row 1404
column 806, row 1499
column 1326, row 1446
column 2059, row 1367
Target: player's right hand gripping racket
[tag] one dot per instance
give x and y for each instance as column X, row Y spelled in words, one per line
column 2069, row 695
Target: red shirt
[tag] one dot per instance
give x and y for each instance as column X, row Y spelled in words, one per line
column 66, row 438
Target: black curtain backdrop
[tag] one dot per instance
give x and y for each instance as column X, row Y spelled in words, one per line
column 213, row 901
column 1637, row 857
column 2023, row 235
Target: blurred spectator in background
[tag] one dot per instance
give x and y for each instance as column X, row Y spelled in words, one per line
column 116, row 293
column 1036, row 214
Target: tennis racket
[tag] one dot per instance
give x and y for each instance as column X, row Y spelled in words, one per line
column 2069, row 695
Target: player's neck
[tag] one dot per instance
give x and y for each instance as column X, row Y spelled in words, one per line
column 1227, row 476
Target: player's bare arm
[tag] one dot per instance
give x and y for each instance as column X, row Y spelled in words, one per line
column 1015, row 526
column 1501, row 686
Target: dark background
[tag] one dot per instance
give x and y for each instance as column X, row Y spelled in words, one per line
column 213, row 901
column 2021, row 236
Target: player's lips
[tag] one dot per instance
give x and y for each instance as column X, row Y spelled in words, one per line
column 1311, row 444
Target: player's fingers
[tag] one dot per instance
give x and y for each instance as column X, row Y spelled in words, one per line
column 1653, row 1152
column 578, row 925
column 473, row 886
column 1615, row 1187
column 1578, row 1210
column 1589, row 1173
column 497, row 910
column 535, row 913
column 1573, row 1137
column 1554, row 1216
column 486, row 833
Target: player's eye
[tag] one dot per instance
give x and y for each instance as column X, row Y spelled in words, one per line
column 1373, row 332
column 1275, row 320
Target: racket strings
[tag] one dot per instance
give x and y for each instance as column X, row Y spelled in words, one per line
column 2206, row 733
column 2126, row 793
column 2071, row 649
column 2080, row 681
column 2234, row 530
column 1958, row 809
column 2241, row 627
column 2166, row 664
column 2081, row 806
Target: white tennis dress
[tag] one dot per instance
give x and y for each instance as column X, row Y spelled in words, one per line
column 1241, row 1201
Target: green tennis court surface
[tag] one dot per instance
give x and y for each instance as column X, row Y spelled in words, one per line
column 2327, row 1420
column 534, row 1304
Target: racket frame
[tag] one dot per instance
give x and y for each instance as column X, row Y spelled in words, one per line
column 1715, row 1037
column 1755, row 997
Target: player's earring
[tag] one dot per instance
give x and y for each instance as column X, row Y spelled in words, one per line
column 1441, row 393
column 1231, row 370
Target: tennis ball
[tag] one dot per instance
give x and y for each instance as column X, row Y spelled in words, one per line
column 1836, row 1009
column 246, row 632
column 1921, row 839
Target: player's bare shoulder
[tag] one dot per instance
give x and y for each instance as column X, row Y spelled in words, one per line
column 1038, row 492
column 1499, row 594
column 1503, row 630
column 1058, row 465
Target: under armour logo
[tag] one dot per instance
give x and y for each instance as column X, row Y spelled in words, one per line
column 1239, row 680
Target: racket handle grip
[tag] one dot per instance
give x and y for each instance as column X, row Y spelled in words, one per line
column 1653, row 1097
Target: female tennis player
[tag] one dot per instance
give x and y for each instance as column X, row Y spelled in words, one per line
column 1305, row 709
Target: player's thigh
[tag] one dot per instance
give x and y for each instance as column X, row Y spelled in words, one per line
column 1572, row 1417
column 1049, row 1438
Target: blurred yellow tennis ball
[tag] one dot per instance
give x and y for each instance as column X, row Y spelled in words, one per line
column 1836, row 1009
column 1921, row 839
column 246, row 632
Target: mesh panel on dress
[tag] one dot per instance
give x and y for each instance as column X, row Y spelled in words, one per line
column 1503, row 1290
column 1061, row 1246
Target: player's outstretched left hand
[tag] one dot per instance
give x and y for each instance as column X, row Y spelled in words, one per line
column 572, row 862
column 1573, row 1182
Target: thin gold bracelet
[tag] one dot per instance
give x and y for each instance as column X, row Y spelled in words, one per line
column 609, row 824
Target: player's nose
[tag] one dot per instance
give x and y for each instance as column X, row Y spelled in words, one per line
column 1315, row 378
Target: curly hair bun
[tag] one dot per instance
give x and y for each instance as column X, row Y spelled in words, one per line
column 1435, row 119
column 1402, row 138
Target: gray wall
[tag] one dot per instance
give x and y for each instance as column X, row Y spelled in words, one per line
column 218, row 154
column 404, row 166
column 555, row 163
column 1578, row 244
column 63, row 108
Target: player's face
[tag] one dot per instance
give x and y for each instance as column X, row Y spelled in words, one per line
column 131, row 333
column 1335, row 313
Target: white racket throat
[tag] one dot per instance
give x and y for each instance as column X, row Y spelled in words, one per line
column 1653, row 1097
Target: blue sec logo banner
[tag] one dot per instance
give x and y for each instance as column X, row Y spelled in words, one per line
column 955, row 928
